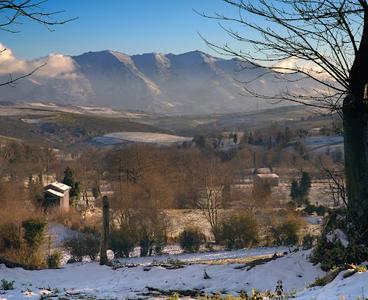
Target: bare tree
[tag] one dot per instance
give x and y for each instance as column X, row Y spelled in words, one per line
column 210, row 201
column 13, row 12
column 328, row 41
column 336, row 182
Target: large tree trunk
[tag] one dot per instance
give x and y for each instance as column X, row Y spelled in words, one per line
column 356, row 166
column 355, row 118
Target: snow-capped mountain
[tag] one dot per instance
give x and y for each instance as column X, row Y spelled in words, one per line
column 188, row 83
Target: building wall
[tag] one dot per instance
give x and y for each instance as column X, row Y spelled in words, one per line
column 64, row 202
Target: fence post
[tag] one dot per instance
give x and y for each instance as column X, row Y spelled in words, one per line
column 105, row 231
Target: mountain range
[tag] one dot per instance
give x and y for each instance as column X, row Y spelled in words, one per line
column 188, row 83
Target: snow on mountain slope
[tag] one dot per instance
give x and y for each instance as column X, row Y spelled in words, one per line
column 188, row 83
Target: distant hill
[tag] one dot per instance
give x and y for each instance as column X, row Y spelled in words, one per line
column 188, row 83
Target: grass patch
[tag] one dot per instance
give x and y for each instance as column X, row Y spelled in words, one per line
column 356, row 269
column 329, row 277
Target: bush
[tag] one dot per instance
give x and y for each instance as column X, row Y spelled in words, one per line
column 329, row 277
column 331, row 253
column 7, row 285
column 286, row 234
column 356, row 269
column 54, row 260
column 34, row 232
column 122, row 242
column 146, row 242
column 10, row 237
column 20, row 243
column 239, row 231
column 151, row 238
column 319, row 210
column 90, row 230
column 308, row 241
column 83, row 244
column 191, row 239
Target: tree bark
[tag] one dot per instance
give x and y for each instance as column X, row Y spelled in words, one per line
column 105, row 231
column 356, row 166
column 355, row 120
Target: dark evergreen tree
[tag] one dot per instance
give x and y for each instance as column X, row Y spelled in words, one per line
column 294, row 191
column 304, row 186
column 69, row 179
column 299, row 191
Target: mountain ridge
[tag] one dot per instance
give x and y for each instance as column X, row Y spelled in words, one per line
column 187, row 83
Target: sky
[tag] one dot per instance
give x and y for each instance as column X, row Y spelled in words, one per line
column 129, row 26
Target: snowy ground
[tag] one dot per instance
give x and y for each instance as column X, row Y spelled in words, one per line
column 140, row 137
column 89, row 280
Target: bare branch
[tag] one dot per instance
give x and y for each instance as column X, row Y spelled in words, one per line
column 325, row 34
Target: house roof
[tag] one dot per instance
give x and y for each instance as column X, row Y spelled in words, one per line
column 265, row 176
column 263, row 171
column 55, row 193
column 59, row 186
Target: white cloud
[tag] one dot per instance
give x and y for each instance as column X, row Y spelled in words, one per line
column 57, row 65
column 8, row 62
column 293, row 63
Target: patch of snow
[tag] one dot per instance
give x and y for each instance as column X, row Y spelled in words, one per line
column 31, row 121
column 338, row 235
column 140, row 137
column 314, row 220
column 352, row 288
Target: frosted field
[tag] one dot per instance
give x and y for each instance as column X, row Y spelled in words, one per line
column 140, row 137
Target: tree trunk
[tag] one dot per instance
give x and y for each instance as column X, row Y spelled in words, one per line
column 105, row 231
column 355, row 118
column 356, row 166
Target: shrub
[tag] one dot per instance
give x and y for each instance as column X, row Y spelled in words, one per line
column 329, row 277
column 90, row 230
column 332, row 253
column 83, row 244
column 286, row 234
column 146, row 242
column 191, row 239
column 10, row 237
column 34, row 232
column 54, row 260
column 7, row 285
column 319, row 210
column 239, row 231
column 122, row 242
column 151, row 237
column 21, row 242
column 356, row 269
column 308, row 241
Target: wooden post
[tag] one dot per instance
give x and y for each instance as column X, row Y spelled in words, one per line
column 105, row 231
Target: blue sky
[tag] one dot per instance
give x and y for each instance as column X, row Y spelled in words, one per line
column 129, row 26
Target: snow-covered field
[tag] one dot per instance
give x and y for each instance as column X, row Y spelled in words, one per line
column 90, row 280
column 140, row 137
